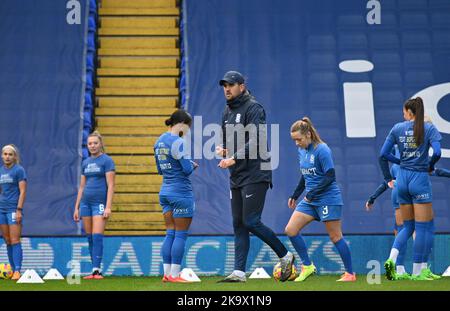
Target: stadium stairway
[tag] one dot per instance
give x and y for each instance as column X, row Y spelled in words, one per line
column 137, row 89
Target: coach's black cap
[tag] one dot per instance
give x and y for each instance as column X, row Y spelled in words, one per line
column 232, row 77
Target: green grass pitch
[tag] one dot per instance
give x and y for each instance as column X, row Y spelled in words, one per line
column 314, row 283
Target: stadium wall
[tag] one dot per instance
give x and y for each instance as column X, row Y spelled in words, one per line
column 208, row 255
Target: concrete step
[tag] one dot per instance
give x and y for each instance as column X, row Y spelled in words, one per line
column 137, row 42
column 139, row 4
column 130, row 141
column 138, row 179
column 133, row 188
column 151, row 22
column 138, row 12
column 113, row 51
column 131, row 121
column 139, row 207
column 140, row 82
column 138, row 31
column 138, row 102
column 143, row 130
column 136, row 91
column 145, row 72
column 139, row 62
column 134, row 111
column 120, row 198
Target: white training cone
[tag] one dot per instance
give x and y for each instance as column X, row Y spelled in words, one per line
column 53, row 274
column 259, row 273
column 446, row 272
column 189, row 275
column 30, row 276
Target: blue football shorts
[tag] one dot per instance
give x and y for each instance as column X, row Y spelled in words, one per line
column 91, row 209
column 413, row 187
column 8, row 218
column 320, row 213
column 181, row 207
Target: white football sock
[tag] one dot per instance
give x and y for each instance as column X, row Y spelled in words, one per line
column 175, row 270
column 166, row 267
column 394, row 254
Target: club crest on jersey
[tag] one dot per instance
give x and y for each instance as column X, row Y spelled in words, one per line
column 238, row 118
column 311, row 159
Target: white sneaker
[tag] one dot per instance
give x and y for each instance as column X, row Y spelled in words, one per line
column 234, row 278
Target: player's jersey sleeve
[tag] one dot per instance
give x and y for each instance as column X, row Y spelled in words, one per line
column 325, row 158
column 109, row 165
column 393, row 134
column 21, row 175
column 83, row 166
column 434, row 134
column 183, row 157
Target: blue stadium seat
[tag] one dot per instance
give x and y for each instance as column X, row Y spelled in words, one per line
column 388, row 19
column 388, row 99
column 92, row 24
column 386, row 60
column 441, row 40
column 85, row 135
column 412, row 4
column 321, row 43
column 88, row 99
column 389, row 116
column 91, row 41
column 414, row 20
column 352, row 40
column 419, row 59
column 440, row 20
column 323, row 79
column 85, row 153
column 416, row 40
column 387, row 79
column 362, row 190
column 439, row 4
column 384, row 203
column 367, row 154
column 352, row 77
column 326, row 118
column 385, row 40
column 93, row 6
column 90, row 60
column 351, row 21
column 389, row 223
column 441, row 223
column 323, row 99
column 89, row 80
column 87, row 117
column 318, row 60
column 332, row 138
column 416, row 78
column 362, row 172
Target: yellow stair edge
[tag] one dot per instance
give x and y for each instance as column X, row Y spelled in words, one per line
column 138, row 102
column 131, row 121
column 138, row 12
column 134, row 111
column 138, row 52
column 136, row 91
column 139, row 3
column 122, row 188
column 138, row 31
column 137, row 179
column 137, row 42
column 132, row 130
column 101, row 72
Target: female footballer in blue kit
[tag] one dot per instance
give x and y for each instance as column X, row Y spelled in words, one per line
column 398, row 221
column 13, row 185
column 176, row 196
column 94, row 199
column 414, row 137
column 322, row 202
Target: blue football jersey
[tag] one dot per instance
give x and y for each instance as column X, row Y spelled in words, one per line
column 314, row 163
column 413, row 157
column 174, row 164
column 95, row 169
column 9, row 185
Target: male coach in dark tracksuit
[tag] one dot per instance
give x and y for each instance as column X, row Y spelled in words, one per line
column 250, row 174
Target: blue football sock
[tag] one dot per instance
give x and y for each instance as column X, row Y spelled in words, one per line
column 17, row 256
column 300, row 246
column 402, row 251
column 420, row 247
column 429, row 240
column 10, row 256
column 346, row 257
column 402, row 237
column 97, row 250
column 178, row 247
column 166, row 248
column 90, row 242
